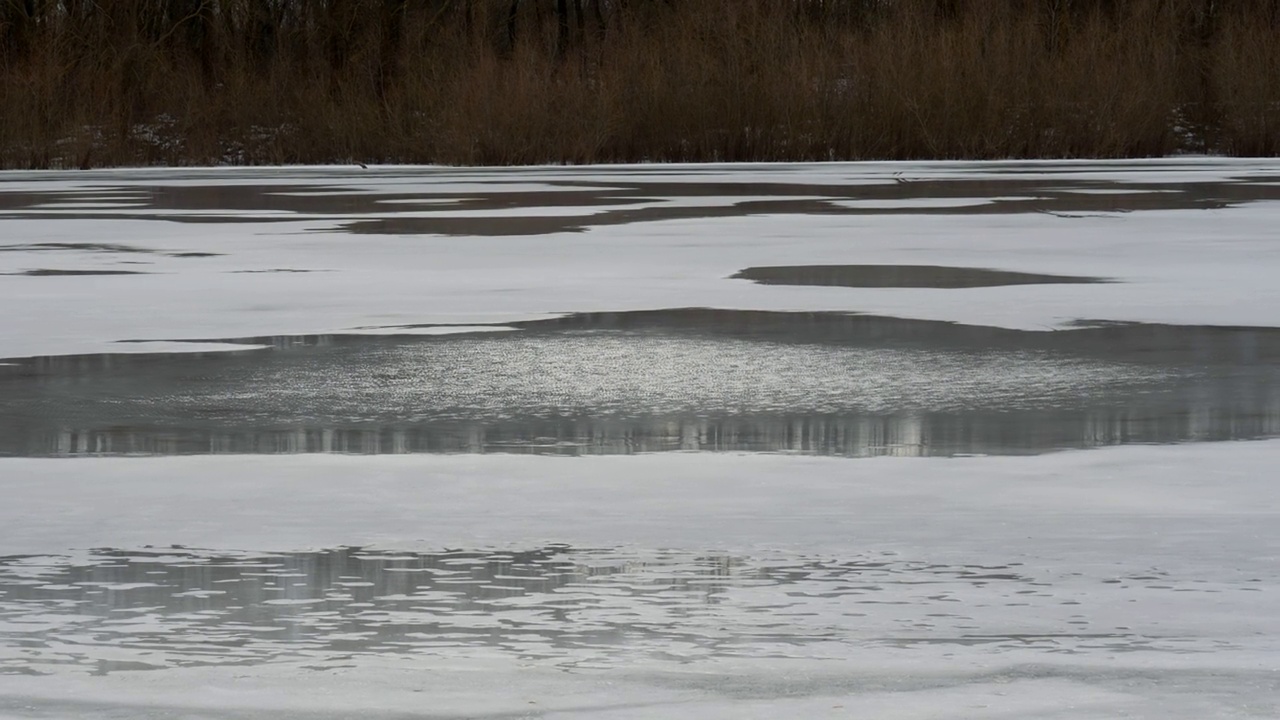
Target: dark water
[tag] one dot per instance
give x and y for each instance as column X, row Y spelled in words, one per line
column 693, row 379
column 624, row 198
column 44, row 272
column 900, row 276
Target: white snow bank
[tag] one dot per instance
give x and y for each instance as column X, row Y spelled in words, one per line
column 493, row 690
column 164, row 346
column 430, row 330
column 535, row 178
column 728, row 501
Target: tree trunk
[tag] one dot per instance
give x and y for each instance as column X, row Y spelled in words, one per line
column 562, row 27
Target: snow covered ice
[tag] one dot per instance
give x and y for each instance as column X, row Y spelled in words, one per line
column 1190, row 240
column 960, row 440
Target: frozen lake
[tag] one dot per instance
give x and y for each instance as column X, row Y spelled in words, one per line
column 852, row 440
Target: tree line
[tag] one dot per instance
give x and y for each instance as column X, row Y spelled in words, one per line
column 87, row 82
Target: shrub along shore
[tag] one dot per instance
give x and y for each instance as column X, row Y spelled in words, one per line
column 87, row 83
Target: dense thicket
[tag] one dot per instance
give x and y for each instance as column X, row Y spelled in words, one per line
column 108, row 82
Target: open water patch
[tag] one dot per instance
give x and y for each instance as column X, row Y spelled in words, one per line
column 683, row 379
column 901, row 276
column 86, row 247
column 478, row 208
column 49, row 272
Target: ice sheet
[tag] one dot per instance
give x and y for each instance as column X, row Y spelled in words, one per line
column 670, row 499
column 430, row 330
column 1171, row 548
column 1193, row 266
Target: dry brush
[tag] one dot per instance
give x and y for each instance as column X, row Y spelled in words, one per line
column 132, row 82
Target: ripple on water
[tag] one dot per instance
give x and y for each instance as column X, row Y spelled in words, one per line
column 826, row 383
column 560, row 606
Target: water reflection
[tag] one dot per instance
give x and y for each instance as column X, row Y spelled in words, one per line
column 556, row 605
column 691, row 379
column 896, row 436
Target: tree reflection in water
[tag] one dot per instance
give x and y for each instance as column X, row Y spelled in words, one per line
column 693, row 380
